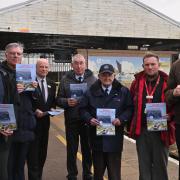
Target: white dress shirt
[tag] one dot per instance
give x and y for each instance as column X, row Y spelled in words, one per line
column 109, row 88
column 45, row 86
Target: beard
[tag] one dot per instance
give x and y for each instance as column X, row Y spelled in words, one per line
column 152, row 77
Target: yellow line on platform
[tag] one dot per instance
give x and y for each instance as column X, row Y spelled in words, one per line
column 79, row 155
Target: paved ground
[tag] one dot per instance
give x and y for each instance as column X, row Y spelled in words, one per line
column 55, row 168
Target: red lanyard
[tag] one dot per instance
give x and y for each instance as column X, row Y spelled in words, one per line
column 149, row 96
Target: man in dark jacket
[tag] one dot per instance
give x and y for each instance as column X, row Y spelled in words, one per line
column 172, row 94
column 152, row 145
column 44, row 101
column 25, row 118
column 7, row 96
column 115, row 103
column 71, row 88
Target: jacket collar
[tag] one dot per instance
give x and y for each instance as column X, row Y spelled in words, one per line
column 96, row 88
column 71, row 74
column 142, row 74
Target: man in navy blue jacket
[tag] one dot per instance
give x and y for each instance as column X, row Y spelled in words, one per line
column 107, row 93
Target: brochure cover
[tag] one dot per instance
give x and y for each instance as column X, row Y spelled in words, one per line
column 156, row 116
column 77, row 90
column 105, row 117
column 26, row 74
column 7, row 117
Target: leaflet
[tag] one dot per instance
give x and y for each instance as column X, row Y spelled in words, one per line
column 26, row 74
column 105, row 117
column 77, row 90
column 156, row 116
column 7, row 117
column 55, row 112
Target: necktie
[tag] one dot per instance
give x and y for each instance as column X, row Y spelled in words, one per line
column 80, row 79
column 42, row 89
column 106, row 92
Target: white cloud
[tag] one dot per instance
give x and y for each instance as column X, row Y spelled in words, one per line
column 5, row 3
column 167, row 7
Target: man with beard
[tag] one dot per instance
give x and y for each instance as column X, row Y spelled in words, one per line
column 152, row 146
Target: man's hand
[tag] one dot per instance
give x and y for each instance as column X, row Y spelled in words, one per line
column 94, row 122
column 176, row 91
column 40, row 113
column 6, row 132
column 72, row 102
column 20, row 87
column 35, row 84
column 116, row 122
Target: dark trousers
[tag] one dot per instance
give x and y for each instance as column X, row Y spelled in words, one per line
column 152, row 156
column 16, row 162
column 4, row 153
column 109, row 160
column 37, row 155
column 177, row 131
column 73, row 132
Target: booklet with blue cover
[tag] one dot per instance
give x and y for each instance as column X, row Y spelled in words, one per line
column 105, row 118
column 156, row 116
column 77, row 90
column 26, row 74
column 7, row 117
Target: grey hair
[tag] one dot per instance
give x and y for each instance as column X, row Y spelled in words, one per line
column 76, row 56
column 14, row 45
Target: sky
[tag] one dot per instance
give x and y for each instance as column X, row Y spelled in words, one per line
column 168, row 7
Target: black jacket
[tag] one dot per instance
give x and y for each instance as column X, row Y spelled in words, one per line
column 118, row 99
column 39, row 103
column 71, row 113
column 10, row 97
column 24, row 115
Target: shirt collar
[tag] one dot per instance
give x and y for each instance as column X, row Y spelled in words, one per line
column 109, row 88
column 77, row 76
column 39, row 78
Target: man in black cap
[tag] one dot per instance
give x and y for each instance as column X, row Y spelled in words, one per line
column 106, row 107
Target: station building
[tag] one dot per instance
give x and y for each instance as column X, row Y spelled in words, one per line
column 109, row 31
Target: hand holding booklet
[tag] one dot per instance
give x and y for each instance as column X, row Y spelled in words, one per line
column 25, row 75
column 55, row 112
column 7, row 117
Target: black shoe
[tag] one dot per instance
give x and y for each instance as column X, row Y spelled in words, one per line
column 90, row 177
column 71, row 178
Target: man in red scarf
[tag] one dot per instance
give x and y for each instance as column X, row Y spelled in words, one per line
column 152, row 146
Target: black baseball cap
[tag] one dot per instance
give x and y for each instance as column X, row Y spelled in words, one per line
column 106, row 68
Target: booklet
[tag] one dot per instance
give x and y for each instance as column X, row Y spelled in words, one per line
column 105, row 118
column 26, row 74
column 156, row 116
column 7, row 117
column 77, row 90
column 55, row 112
